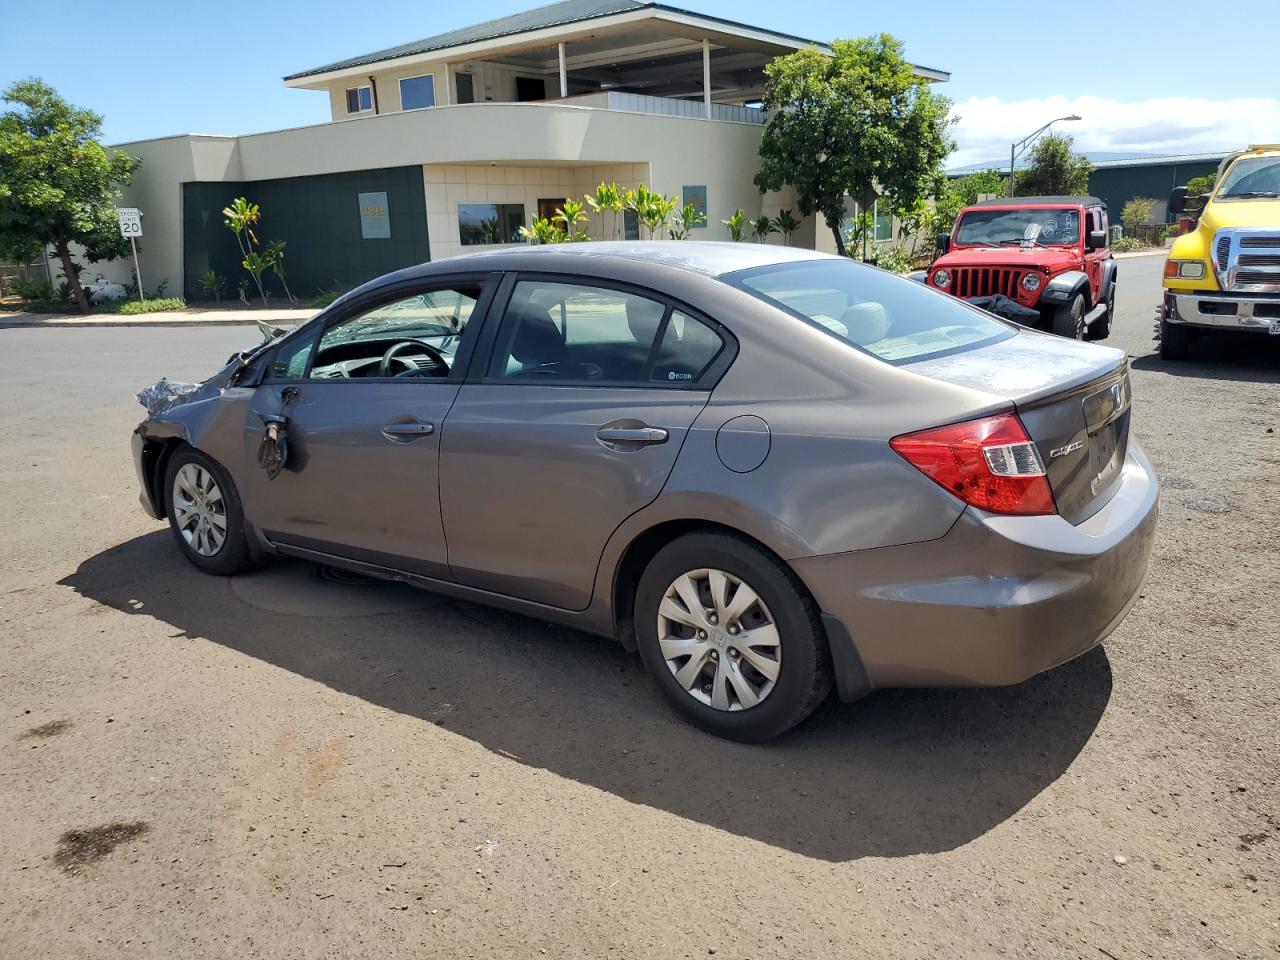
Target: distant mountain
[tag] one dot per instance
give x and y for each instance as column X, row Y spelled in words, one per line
column 1094, row 155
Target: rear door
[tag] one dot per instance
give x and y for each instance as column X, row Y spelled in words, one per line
column 365, row 399
column 574, row 424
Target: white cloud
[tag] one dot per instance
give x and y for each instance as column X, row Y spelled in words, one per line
column 1165, row 125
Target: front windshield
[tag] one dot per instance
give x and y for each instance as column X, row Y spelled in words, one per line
column 1252, row 178
column 993, row 228
column 894, row 319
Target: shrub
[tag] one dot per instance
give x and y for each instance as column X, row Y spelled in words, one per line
column 895, row 260
column 33, row 289
column 132, row 308
column 1125, row 245
column 324, row 298
column 213, row 285
column 1137, row 212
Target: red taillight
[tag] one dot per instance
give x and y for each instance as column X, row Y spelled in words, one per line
column 989, row 463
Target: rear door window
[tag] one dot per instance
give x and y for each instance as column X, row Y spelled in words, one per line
column 559, row 332
column 891, row 318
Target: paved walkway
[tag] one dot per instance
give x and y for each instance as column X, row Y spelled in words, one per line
column 169, row 318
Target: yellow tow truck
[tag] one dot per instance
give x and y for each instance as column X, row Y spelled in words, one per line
column 1224, row 274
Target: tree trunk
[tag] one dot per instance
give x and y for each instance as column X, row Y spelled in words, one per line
column 64, row 254
column 835, row 232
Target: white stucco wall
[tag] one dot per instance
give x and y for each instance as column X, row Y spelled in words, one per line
column 666, row 152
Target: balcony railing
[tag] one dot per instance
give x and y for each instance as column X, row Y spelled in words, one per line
column 665, row 106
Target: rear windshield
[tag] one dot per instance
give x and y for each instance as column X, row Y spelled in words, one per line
column 890, row 317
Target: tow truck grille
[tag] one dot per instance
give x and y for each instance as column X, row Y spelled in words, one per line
column 1248, row 260
column 985, row 281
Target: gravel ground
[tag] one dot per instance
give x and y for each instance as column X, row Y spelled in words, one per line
column 283, row 766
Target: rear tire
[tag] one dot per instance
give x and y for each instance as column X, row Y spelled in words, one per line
column 205, row 515
column 1068, row 319
column 1175, row 341
column 723, row 692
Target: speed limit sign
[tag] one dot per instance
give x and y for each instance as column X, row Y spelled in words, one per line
column 130, row 222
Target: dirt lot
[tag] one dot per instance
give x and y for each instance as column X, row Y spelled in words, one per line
column 282, row 766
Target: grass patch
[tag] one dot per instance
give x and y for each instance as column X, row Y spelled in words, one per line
column 131, row 308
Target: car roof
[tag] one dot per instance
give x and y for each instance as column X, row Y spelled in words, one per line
column 710, row 259
column 1041, row 201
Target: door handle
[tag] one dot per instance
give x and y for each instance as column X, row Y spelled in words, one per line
column 631, row 435
column 404, row 432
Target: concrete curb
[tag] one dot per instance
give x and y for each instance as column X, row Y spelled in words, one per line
column 1141, row 253
column 38, row 321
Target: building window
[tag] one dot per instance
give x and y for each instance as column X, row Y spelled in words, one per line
column 483, row 223
column 417, row 92
column 359, row 99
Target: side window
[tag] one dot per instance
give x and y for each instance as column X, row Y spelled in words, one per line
column 567, row 332
column 413, row 336
column 688, row 347
column 290, row 360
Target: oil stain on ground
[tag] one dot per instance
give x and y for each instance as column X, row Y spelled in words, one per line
column 79, row 847
column 50, row 729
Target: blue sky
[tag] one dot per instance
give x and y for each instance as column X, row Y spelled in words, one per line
column 1146, row 76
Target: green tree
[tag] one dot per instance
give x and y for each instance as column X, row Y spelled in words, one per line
column 786, row 224
column 58, row 184
column 1054, row 171
column 963, row 192
column 1198, row 186
column 852, row 124
column 241, row 216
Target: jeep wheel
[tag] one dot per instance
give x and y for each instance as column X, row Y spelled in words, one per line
column 1175, row 341
column 1068, row 319
column 1100, row 329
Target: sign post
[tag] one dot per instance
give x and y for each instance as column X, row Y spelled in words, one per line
column 131, row 227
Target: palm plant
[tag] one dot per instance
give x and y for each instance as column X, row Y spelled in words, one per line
column 786, row 224
column 213, row 285
column 761, row 227
column 275, row 256
column 608, row 198
column 685, row 220
column 569, row 217
column 241, row 215
column 659, row 212
column 736, row 224
column 542, row 231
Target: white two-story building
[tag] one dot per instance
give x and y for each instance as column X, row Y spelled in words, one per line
column 452, row 143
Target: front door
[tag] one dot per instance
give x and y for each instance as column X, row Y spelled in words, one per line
column 575, row 425
column 365, row 405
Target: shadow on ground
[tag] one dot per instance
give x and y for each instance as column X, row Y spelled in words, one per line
column 1243, row 357
column 902, row 772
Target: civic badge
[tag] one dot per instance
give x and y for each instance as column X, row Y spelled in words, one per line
column 1063, row 451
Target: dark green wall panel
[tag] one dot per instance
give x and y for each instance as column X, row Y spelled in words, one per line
column 318, row 218
column 1118, row 185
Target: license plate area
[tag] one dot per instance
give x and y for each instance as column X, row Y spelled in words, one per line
column 1274, row 329
column 1106, row 415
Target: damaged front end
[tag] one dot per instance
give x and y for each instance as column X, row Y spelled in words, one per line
column 195, row 414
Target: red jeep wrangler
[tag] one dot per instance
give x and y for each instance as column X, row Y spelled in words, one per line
column 1042, row 261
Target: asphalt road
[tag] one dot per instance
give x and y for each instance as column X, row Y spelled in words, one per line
column 282, row 766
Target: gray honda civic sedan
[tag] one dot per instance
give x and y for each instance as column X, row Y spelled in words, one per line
column 767, row 470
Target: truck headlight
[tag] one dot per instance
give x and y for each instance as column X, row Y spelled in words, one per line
column 1031, row 282
column 1184, row 269
column 942, row 279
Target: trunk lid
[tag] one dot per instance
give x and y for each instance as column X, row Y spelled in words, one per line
column 1073, row 398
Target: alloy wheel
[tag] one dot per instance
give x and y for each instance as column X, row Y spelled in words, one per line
column 199, row 510
column 719, row 639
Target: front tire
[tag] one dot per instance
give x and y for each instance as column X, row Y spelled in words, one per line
column 730, row 636
column 1175, row 341
column 1100, row 329
column 1068, row 319
column 205, row 515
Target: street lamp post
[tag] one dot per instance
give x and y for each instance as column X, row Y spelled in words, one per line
column 1018, row 149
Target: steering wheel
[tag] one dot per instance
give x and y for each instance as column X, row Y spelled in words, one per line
column 438, row 362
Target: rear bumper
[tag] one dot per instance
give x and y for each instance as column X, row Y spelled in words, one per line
column 1222, row 311
column 998, row 599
